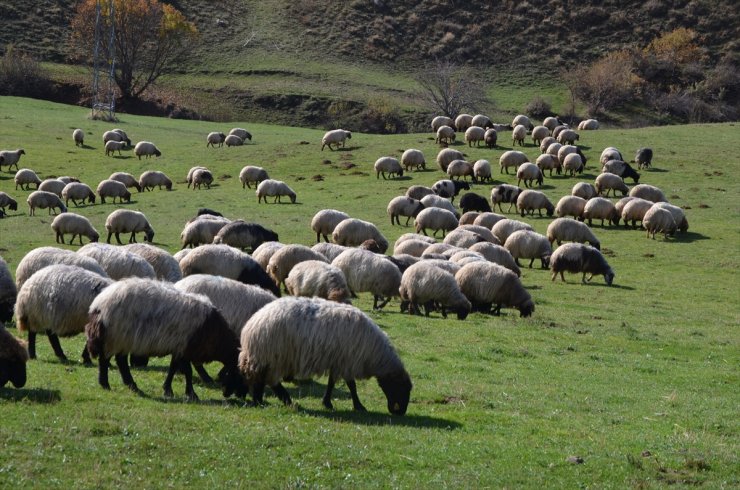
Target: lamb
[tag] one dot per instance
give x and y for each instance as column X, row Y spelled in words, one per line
column 78, row 136
column 251, row 174
column 441, row 121
column 570, row 230
column 242, row 235
column 470, row 201
column 463, row 122
column 403, row 206
column 529, row 172
column 546, row 142
column 316, row 278
column 575, row 258
column 77, row 190
column 151, row 178
column 497, row 254
column 202, row 176
column 529, row 200
column 572, row 164
column 241, row 133
column 201, row 230
column 25, row 177
column 55, row 301
column 539, row 133
column 570, row 206
column 584, row 190
column 54, row 186
column 447, row 155
column 389, row 165
column 144, row 317
column 445, row 134
column 511, row 158
column 644, row 157
column 324, row 222
column 147, row 149
column 328, row 250
column 460, row 168
column 424, row 284
column 658, row 220
column 487, row 220
column 41, row 257
column 114, row 146
column 76, row 225
column 504, row 193
column 126, row 179
column 527, row 244
column 548, row 162
column 43, row 199
column 116, row 135
column 215, row 138
column 482, row 171
column 678, row 215
column 306, row 337
column 518, row 134
column 118, row 263
column 8, row 293
column 7, row 201
column 166, row 267
column 13, row 358
column 475, row 134
column 283, row 260
column 491, row 137
column 486, row 284
column 634, row 210
column 366, row 271
column 622, row 169
column 648, row 192
column 588, row 125
column 418, row 192
column 334, row 137
column 114, row 189
column 505, row 227
column 609, row 153
column 11, row 157
column 264, row 253
column 413, row 247
column 523, row 120
column 128, row 221
column 448, row 188
column 567, row 137
column 276, row 188
column 600, row 208
column 413, row 158
column 435, row 219
column 607, row 182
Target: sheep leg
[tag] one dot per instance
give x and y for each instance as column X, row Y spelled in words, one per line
column 355, row 399
column 531, row 262
column 258, row 393
column 86, row 360
column 382, row 303
column 167, row 385
column 55, row 345
column 103, row 365
column 326, row 401
column 281, row 393
column 496, row 311
column 132, row 238
column 186, row 369
column 128, row 380
column 204, row 376
column 583, row 279
column 407, row 221
column 32, row 344
column 118, row 238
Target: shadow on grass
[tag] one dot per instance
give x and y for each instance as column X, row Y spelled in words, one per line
column 689, row 237
column 378, row 418
column 655, row 170
column 36, row 395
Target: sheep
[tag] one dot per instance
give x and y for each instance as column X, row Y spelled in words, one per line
column 328, row 250
column 8, row 293
column 264, row 253
column 7, row 201
column 570, row 206
column 191, row 172
column 527, row 244
column 482, row 231
column 403, row 206
column 180, row 254
column 147, row 149
column 413, row 236
column 678, row 215
column 55, row 301
column 584, row 190
column 568, row 137
column 444, row 250
column 486, row 284
column 445, row 134
column 623, row 169
column 283, row 260
column 305, row 337
column 490, row 138
column 554, row 149
column 78, row 136
column 251, row 174
column 576, row 257
column 609, row 153
column 11, row 157
column 463, row 122
column 436, row 219
column 128, row 221
column 241, row 133
column 546, row 142
column 634, row 210
column 222, row 260
column 644, row 157
column 468, row 217
column 460, row 168
column 418, row 192
column 242, row 235
column 600, row 208
column 548, row 162
column 233, row 140
column 116, row 135
column 551, row 122
column 504, row 193
column 118, row 263
column 565, row 150
column 522, row 120
column 588, row 125
column 659, row 220
column 424, row 284
column 511, row 158
column 316, row 278
column 487, row 220
column 558, row 129
column 539, row 133
column 497, row 254
column 144, row 317
column 607, row 182
column 529, row 200
column 55, row 186
column 413, row 158
column 215, row 138
column 572, row 164
column 518, row 134
column 43, row 199
column 114, row 189
column 470, row 201
column 441, row 121
column 74, row 224
column 482, row 171
column 447, row 155
column 434, row 201
column 324, row 222
column 570, row 230
column 413, row 247
column 126, row 179
column 77, row 190
column 202, row 176
column 648, row 192
column 166, row 267
column 13, row 358
column 481, row 121
column 389, row 165
column 529, row 172
column 448, row 188
column 352, row 232
column 461, row 256
column 112, row 146
column 276, row 188
column 334, row 137
column 41, row 257
column 201, row 230
column 475, row 134
column 25, row 177
column 505, row 227
column 151, row 178
column 462, row 238
column 366, row 271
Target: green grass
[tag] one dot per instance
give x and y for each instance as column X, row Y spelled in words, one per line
column 649, row 365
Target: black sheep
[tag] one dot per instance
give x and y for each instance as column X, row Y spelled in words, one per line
column 474, row 202
column 644, row 158
column 13, row 357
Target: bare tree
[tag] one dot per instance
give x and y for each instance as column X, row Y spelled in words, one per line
column 449, row 88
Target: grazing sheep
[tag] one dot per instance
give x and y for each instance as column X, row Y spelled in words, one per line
column 75, row 224
column 403, row 206
column 482, row 171
column 511, row 158
column 324, row 222
column 316, row 278
column 233, row 140
column 570, row 230
column 202, row 176
column 445, row 134
column 67, row 179
column 579, row 258
column 147, row 149
column 78, row 136
column 460, row 168
column 283, row 260
column 570, row 206
column 523, row 120
column 475, row 134
column 215, row 138
column 572, row 164
column 242, row 133
column 634, row 210
column 441, row 121
column 43, row 199
column 413, row 247
column 126, row 179
column 588, row 125
column 25, row 177
column 658, row 220
column 11, row 157
column 546, row 142
column 55, row 301
column 116, row 135
column 644, row 157
column 418, row 192
column 352, row 232
column 413, row 236
column 191, row 172
column 487, row 220
column 151, row 178
column 165, row 266
column 529, row 200
column 482, row 231
column 114, row 189
column 584, row 190
column 77, row 190
column 486, row 284
column 567, row 137
column 551, row 122
column 251, row 174
column 114, row 146
column 565, row 150
column 678, row 215
column 13, row 358
column 7, row 201
column 505, row 227
column 434, row 201
column 180, row 254
column 8, row 293
column 366, row 271
column 481, row 121
column 413, row 158
column 118, row 263
column 242, row 235
column 334, row 137
column 462, row 238
column 470, row 201
column 468, row 217
column 539, row 133
column 41, row 257
column 264, row 253
column 202, row 230
column 610, row 153
column 648, row 192
column 504, row 193
column 328, row 250
column 274, row 188
column 462, row 256
column 427, row 285
column 448, row 188
column 548, row 162
column 128, row 221
column 623, row 169
column 389, row 165
column 554, row 149
column 518, row 134
column 608, row 182
column 145, row 317
column 54, row 186
column 527, row 244
column 529, row 172
column 435, row 219
column 305, row 337
column 600, row 208
column 443, row 249
column 497, row 254
column 446, row 156
column 491, row 138
column 463, row 122
column 558, row 129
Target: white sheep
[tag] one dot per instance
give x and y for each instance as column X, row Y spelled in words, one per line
column 445, row 134
column 572, row 164
column 588, row 125
column 413, row 158
column 352, row 232
column 43, row 199
column 324, row 222
column 251, row 174
column 551, row 122
column 463, row 257
column 554, row 149
column 146, row 148
column 511, row 158
column 527, row 244
column 77, row 190
column 24, row 177
column 242, row 133
column 264, row 252
column 539, row 133
column 154, row 178
column 462, row 238
column 447, row 155
column 475, row 134
column 648, row 192
column 487, row 220
column 529, row 172
column 403, row 206
column 284, row 259
column 413, row 236
column 546, row 142
column 608, row 182
column 388, row 165
column 463, row 122
column 568, row 137
column 328, row 250
column 460, row 168
column 435, row 219
column 215, row 138
column 633, row 210
column 54, row 186
column 75, row 224
column 482, row 231
column 418, row 192
column 41, row 257
column 126, row 179
column 600, row 208
column 523, row 120
column 585, row 190
column 482, row 121
column 116, row 135
column 334, row 137
column 623, row 169
column 658, row 220
column 518, row 134
column 202, row 230
column 78, row 136
column 441, row 121
column 482, row 171
column 486, row 284
column 128, row 221
column 427, row 285
column 233, row 140
column 117, row 262
column 530, row 200
column 609, row 153
column 114, row 146
column 579, row 258
column 678, row 215
column 189, row 177
column 11, row 157
column 570, row 230
column 202, row 176
column 444, row 250
column 548, row 162
column 491, row 138
column 468, row 218
column 366, row 271
column 413, row 247
column 274, row 188
column 316, row 278
column 505, row 227
column 496, row 254
column 114, row 189
column 165, row 266
column 570, row 206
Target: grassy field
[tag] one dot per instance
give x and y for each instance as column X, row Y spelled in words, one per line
column 639, row 380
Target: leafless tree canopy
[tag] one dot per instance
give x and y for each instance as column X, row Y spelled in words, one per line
column 450, row 89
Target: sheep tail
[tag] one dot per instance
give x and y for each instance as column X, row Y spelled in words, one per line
column 95, row 331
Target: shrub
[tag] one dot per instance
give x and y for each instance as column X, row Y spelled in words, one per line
column 538, row 107
column 21, row 74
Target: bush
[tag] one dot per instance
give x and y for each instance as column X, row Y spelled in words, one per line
column 21, row 75
column 538, row 107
